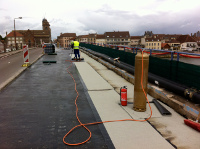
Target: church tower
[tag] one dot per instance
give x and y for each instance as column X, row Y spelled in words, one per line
column 46, row 28
column 45, row 25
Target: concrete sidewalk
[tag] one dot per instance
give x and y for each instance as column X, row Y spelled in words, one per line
column 133, row 134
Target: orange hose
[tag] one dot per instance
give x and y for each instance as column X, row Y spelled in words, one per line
column 94, row 123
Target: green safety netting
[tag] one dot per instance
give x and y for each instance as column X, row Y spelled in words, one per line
column 183, row 73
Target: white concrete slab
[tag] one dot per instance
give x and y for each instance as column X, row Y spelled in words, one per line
column 128, row 134
column 138, row 134
column 92, row 79
column 106, row 100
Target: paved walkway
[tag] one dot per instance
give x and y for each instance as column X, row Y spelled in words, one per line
column 106, row 102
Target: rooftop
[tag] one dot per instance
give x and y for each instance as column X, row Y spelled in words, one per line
column 117, row 34
column 68, row 35
column 12, row 34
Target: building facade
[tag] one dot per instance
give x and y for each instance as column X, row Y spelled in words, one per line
column 100, row 39
column 1, row 47
column 187, row 43
column 11, row 40
column 92, row 38
column 135, row 41
column 65, row 39
column 118, row 38
column 83, row 38
column 153, row 43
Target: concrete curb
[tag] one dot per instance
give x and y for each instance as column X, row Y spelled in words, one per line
column 180, row 105
column 8, row 81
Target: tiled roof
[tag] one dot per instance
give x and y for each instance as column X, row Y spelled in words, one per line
column 100, row 36
column 173, row 41
column 160, row 36
column 136, row 37
column 185, row 38
column 72, row 38
column 68, row 35
column 165, row 45
column 119, row 34
column 152, row 39
column 83, row 36
column 92, row 35
column 197, row 39
column 11, row 34
column 35, row 32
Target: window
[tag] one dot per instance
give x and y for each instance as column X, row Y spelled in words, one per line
column 122, row 39
column 107, row 39
column 158, row 44
column 8, row 38
column 154, row 44
column 126, row 39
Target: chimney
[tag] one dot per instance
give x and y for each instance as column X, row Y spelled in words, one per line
column 60, row 33
column 6, row 33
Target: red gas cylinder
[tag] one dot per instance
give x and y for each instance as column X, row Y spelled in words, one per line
column 123, row 96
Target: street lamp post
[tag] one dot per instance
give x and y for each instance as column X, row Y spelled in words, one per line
column 15, row 31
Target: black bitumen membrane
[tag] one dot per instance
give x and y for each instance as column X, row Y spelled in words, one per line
column 37, row 109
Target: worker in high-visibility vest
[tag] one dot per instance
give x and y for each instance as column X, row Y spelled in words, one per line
column 75, row 46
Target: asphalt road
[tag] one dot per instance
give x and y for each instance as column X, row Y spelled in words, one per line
column 37, row 109
column 12, row 64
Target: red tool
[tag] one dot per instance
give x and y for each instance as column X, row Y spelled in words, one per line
column 123, row 95
column 193, row 124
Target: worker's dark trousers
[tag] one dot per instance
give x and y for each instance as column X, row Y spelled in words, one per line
column 76, row 52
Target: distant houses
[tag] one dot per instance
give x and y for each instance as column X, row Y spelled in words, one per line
column 148, row 40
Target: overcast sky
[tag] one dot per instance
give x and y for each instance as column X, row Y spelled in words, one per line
column 98, row 16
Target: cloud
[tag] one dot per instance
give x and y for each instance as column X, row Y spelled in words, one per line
column 107, row 19
column 159, row 16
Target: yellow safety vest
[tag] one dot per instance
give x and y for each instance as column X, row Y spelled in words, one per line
column 76, row 45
